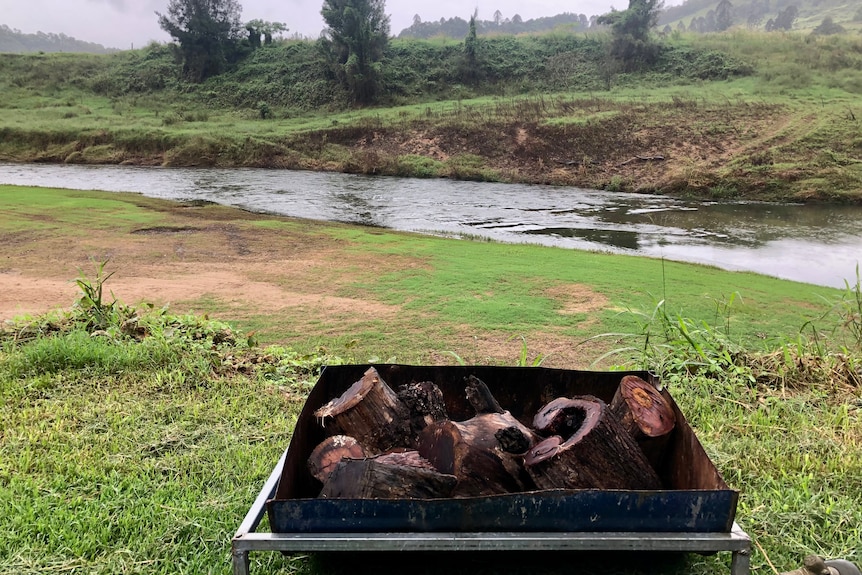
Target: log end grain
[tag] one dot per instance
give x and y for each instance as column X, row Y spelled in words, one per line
column 641, row 407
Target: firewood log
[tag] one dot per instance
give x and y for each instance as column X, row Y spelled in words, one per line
column 595, row 453
column 424, row 401
column 330, row 452
column 369, row 411
column 388, row 476
column 472, row 450
column 646, row 415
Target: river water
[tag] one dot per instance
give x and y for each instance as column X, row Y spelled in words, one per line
column 808, row 243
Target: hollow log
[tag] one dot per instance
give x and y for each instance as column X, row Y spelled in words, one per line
column 330, row 452
column 557, row 418
column 369, row 411
column 646, row 415
column 599, row 454
column 386, row 477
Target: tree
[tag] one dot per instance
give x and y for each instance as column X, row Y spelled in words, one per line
column 723, row 15
column 631, row 43
column 710, row 22
column 258, row 28
column 207, row 31
column 827, row 27
column 470, row 73
column 786, row 18
column 357, row 34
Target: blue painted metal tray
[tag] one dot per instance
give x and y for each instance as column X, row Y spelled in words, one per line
column 694, row 499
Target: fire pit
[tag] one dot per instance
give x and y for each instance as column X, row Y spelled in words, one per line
column 684, row 505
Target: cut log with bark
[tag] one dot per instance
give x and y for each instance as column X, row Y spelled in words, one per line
column 472, row 450
column 425, row 403
column 330, row 452
column 598, row 454
column 646, row 415
column 369, row 411
column 482, row 467
column 389, row 476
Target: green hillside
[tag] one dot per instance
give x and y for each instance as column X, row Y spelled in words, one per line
column 757, row 15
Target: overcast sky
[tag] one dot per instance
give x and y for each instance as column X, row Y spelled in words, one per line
column 127, row 23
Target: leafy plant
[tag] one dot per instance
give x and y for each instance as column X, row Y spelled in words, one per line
column 523, row 358
column 677, row 347
column 92, row 310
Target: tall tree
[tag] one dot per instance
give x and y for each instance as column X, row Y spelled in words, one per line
column 357, row 34
column 207, row 31
column 723, row 15
column 470, row 71
column 786, row 18
column 257, row 28
column 630, row 30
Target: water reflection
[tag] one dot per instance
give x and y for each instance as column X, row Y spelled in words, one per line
column 817, row 244
column 611, row 238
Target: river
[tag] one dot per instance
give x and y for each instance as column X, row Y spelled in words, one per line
column 818, row 244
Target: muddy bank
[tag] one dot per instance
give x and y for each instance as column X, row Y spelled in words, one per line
column 684, row 149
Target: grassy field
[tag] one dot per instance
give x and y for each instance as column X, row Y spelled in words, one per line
column 135, row 437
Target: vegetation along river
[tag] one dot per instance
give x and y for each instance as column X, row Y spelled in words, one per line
column 819, row 244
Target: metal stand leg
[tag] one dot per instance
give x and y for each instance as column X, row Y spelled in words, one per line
column 740, row 562
column 240, row 563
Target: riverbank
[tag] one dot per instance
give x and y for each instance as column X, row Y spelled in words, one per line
column 767, row 238
column 739, row 115
column 675, row 143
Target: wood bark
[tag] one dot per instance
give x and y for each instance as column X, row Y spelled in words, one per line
column 599, row 453
column 330, row 452
column 473, row 450
column 425, row 403
column 472, row 454
column 388, row 476
column 480, row 397
column 369, row 411
column 646, row 415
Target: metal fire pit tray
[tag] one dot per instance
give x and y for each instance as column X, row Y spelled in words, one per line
column 693, row 513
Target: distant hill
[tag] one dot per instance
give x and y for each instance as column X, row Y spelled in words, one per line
column 819, row 16
column 17, row 42
column 457, row 27
column 803, row 15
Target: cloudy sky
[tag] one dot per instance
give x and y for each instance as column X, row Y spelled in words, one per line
column 127, row 23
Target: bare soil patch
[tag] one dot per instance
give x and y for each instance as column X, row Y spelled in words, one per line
column 292, row 283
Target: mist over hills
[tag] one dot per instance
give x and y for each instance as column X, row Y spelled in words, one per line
column 17, row 42
column 691, row 15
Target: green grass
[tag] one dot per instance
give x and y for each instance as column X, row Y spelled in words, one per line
column 120, row 459
column 511, row 290
column 134, row 440
column 43, row 209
